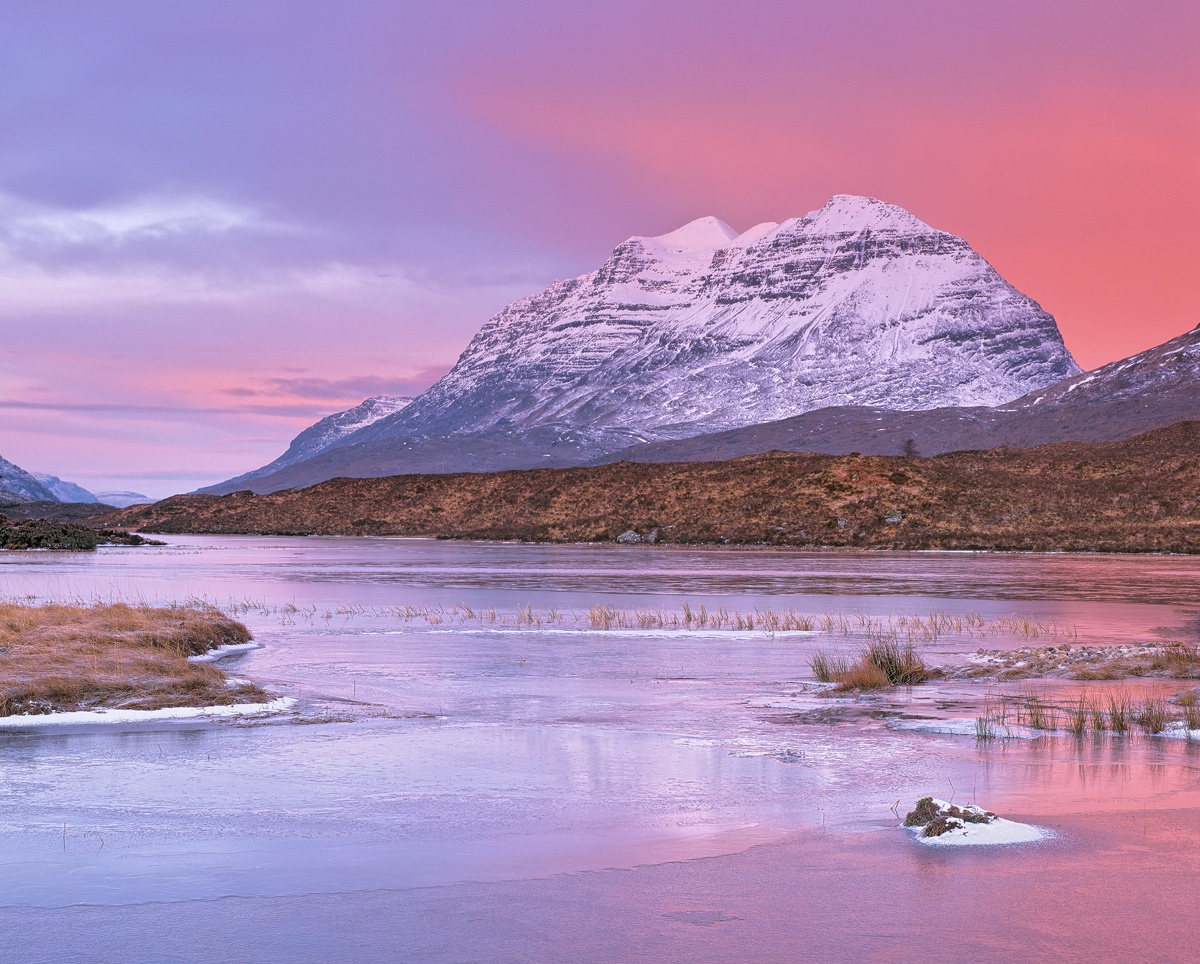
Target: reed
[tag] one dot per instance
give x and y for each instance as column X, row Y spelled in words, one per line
column 1040, row 713
column 1152, row 715
column 986, row 723
column 1120, row 711
column 1077, row 713
column 1189, row 705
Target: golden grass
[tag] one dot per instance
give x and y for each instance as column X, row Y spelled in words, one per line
column 67, row 657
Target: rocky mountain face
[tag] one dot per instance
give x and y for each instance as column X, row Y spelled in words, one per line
column 704, row 329
column 1155, row 388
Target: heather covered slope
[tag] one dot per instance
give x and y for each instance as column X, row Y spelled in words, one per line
column 1138, row 495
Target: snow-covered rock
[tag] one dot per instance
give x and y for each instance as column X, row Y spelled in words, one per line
column 938, row 823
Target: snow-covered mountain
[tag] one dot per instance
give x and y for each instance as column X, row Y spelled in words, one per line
column 15, row 481
column 329, row 432
column 703, row 329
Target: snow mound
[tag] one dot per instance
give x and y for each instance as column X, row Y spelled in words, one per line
column 938, row 823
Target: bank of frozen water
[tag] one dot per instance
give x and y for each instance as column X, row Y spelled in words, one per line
column 109, row 717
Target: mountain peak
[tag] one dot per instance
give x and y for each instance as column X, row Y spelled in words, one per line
column 703, row 234
column 851, row 213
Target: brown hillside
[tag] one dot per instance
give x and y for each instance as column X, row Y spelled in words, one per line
column 1138, row 495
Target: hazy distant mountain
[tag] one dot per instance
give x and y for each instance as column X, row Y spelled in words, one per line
column 122, row 499
column 64, row 491
column 859, row 303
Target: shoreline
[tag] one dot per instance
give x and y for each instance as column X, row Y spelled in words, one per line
column 683, row 546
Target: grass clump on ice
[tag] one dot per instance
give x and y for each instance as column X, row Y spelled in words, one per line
column 56, row 658
column 883, row 662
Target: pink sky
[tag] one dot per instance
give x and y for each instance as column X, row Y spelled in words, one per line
column 219, row 222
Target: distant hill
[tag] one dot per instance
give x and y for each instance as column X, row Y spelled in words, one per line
column 325, row 434
column 17, row 484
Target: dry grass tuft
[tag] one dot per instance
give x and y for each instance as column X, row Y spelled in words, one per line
column 883, row 662
column 828, row 667
column 1152, row 715
column 59, row 657
column 899, row 663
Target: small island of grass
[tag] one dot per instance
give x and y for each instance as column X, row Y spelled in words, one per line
column 21, row 535
column 64, row 658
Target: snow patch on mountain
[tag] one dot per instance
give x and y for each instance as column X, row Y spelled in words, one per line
column 327, row 433
column 123, row 498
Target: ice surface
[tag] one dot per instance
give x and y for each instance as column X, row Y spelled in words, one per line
column 436, row 757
